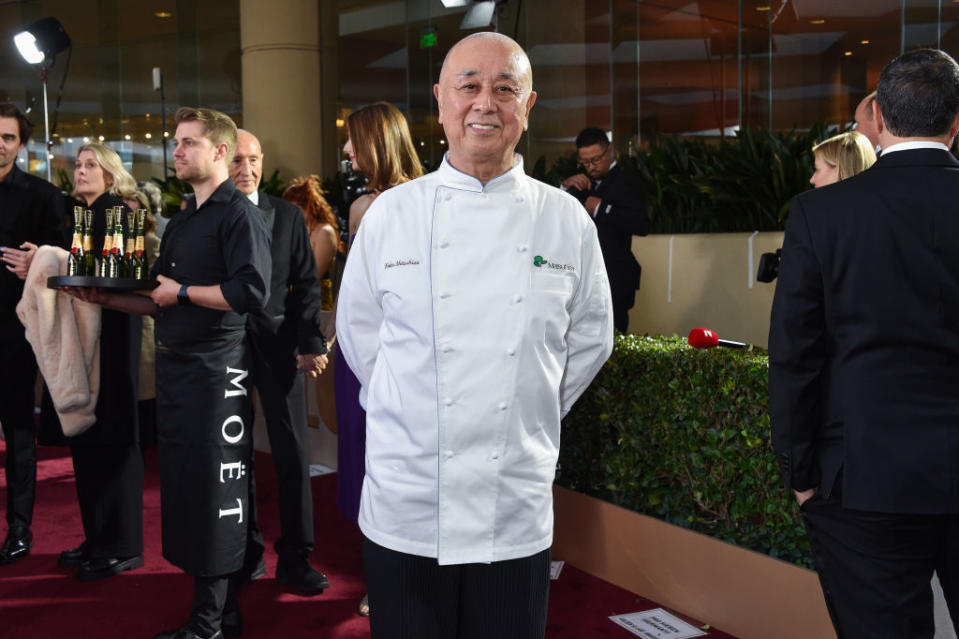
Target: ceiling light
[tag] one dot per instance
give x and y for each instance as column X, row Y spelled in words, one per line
column 163, row 14
column 864, row 42
column 763, row 8
column 819, row 21
column 126, row 137
column 148, row 136
column 847, row 53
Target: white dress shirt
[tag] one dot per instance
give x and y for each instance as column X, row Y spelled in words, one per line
column 473, row 316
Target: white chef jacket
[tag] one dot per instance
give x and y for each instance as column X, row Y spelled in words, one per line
column 474, row 316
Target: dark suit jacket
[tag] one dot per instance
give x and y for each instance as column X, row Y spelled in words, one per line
column 864, row 337
column 290, row 321
column 621, row 214
column 31, row 210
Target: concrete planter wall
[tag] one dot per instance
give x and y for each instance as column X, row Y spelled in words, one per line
column 744, row 593
column 703, row 280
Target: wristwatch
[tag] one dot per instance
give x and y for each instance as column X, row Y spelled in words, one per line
column 181, row 297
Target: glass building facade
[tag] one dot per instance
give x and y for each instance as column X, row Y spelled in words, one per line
column 637, row 68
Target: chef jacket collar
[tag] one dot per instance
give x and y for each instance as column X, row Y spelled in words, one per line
column 455, row 178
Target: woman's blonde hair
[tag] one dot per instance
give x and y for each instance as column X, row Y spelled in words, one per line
column 383, row 145
column 123, row 185
column 851, row 152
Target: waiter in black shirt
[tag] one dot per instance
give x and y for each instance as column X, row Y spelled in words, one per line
column 31, row 213
column 615, row 202
column 286, row 338
column 214, row 267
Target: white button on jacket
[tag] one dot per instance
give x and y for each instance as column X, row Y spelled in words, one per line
column 492, row 403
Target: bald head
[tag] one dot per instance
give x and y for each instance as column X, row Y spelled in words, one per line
column 247, row 165
column 485, row 94
column 866, row 121
column 491, row 40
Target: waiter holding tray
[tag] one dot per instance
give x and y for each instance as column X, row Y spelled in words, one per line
column 213, row 268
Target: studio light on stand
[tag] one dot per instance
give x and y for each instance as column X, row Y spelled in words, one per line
column 39, row 44
column 158, row 87
column 482, row 13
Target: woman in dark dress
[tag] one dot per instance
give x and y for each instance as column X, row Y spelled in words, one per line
column 106, row 458
column 381, row 147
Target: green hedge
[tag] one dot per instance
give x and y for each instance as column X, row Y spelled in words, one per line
column 682, row 435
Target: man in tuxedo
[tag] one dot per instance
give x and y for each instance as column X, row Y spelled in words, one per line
column 864, row 363
column 615, row 202
column 31, row 213
column 286, row 339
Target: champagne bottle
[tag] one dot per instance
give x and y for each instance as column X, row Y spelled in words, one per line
column 75, row 264
column 121, row 270
column 141, row 267
column 128, row 250
column 108, row 263
column 89, row 259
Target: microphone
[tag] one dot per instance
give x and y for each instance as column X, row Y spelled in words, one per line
column 707, row 338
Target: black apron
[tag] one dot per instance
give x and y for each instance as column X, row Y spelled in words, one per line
column 205, row 440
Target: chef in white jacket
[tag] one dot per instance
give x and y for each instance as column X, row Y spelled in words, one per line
column 474, row 309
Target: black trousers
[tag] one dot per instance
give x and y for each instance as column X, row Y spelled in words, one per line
column 875, row 568
column 110, row 491
column 17, row 376
column 213, row 599
column 283, row 396
column 414, row 597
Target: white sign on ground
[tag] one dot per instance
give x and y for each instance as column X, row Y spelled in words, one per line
column 555, row 567
column 657, row 624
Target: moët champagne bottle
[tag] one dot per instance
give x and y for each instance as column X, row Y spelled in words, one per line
column 75, row 265
column 108, row 264
column 141, row 266
column 117, row 248
column 89, row 259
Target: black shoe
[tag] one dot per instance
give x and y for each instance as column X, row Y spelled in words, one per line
column 103, row 567
column 73, row 556
column 298, row 573
column 186, row 633
column 16, row 545
column 231, row 625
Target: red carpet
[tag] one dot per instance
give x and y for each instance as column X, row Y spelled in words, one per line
column 39, row 600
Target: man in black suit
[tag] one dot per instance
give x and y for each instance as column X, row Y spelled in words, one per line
column 864, row 363
column 31, row 213
column 286, row 339
column 615, row 202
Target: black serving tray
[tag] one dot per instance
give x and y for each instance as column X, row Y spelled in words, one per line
column 110, row 283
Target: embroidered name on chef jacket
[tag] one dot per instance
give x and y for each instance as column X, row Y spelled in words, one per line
column 408, row 262
column 541, row 262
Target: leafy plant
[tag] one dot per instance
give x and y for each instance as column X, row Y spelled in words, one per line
column 273, row 185
column 683, row 435
column 692, row 186
column 173, row 190
column 64, row 182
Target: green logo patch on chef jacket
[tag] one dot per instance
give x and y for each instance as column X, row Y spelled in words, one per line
column 539, row 261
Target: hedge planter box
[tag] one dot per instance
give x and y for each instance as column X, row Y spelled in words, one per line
column 685, row 502
column 743, row 593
